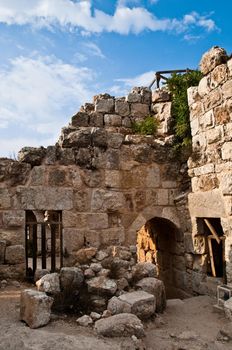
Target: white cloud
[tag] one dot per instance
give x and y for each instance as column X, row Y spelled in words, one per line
column 80, row 14
column 38, row 94
column 140, row 80
column 93, row 50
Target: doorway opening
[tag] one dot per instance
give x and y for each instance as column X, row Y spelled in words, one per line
column 43, row 241
column 160, row 242
column 212, row 230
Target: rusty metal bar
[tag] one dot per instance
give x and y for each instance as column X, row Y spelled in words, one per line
column 43, row 246
column 61, row 240
column 26, row 249
column 53, row 248
column 159, row 75
column 34, row 248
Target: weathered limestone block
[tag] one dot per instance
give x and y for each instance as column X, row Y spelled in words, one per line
column 96, row 119
column 84, row 255
column 153, row 176
column 92, row 178
column 103, row 200
column 126, row 122
column 141, row 270
column 120, row 325
column 227, row 89
column 80, row 119
column 49, row 198
column 207, row 120
column 204, row 86
column 84, row 321
column 115, row 140
column 39, row 273
column 140, row 303
column 49, row 283
column 226, row 183
column 97, row 221
column 73, row 239
column 88, row 107
column 212, row 99
column 112, row 179
column 193, row 95
column 71, row 278
column 77, row 138
column 139, row 110
column 163, row 197
column 218, row 75
column 32, row 155
column 5, row 202
column 99, row 137
column 102, row 286
column 227, row 151
column 122, row 107
column 13, row 236
column 196, row 110
column 2, row 251
column 13, row 218
column 194, row 126
column 222, row 114
column 66, row 156
column 105, row 105
column 112, row 159
column 228, row 309
column 37, row 176
column 212, row 58
column 83, row 157
column 35, row 308
column 51, row 155
column 73, row 219
column 134, row 96
column 112, row 120
column 15, row 254
column 204, row 169
column 57, row 177
column 160, row 95
column 155, row 287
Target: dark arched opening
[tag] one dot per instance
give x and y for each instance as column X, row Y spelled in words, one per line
column 160, row 242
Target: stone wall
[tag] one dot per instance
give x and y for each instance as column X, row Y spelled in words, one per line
column 210, row 164
column 107, row 181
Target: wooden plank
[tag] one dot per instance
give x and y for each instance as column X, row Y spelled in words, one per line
column 211, row 257
column 212, row 230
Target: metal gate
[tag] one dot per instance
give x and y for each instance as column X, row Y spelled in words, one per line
column 44, row 246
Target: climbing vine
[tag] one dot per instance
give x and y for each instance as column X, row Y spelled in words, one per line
column 178, row 85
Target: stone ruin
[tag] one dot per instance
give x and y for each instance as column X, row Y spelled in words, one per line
column 102, row 189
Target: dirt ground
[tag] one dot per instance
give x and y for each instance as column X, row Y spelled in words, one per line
column 191, row 324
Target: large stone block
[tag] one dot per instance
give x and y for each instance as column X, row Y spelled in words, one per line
column 73, row 219
column 71, row 279
column 120, row 325
column 103, row 200
column 155, row 287
column 105, row 105
column 122, row 107
column 227, row 89
column 5, row 202
column 213, row 58
column 49, row 283
column 102, row 286
column 35, row 308
column 2, row 251
column 218, row 76
column 115, row 140
column 57, row 177
column 46, row 198
column 140, row 303
column 13, row 218
column 139, row 110
column 153, row 176
column 15, row 254
column 145, row 269
column 97, row 221
column 80, row 119
column 112, row 120
column 37, row 176
column 212, row 99
column 204, row 86
column 193, row 95
column 227, row 151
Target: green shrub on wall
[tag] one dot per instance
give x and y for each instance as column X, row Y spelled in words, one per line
column 178, row 85
column 148, row 126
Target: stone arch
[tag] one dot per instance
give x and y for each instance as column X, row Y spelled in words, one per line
column 160, row 241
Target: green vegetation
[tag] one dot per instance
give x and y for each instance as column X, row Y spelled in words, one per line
column 178, row 85
column 148, row 126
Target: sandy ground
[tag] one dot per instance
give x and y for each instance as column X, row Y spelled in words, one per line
column 192, row 324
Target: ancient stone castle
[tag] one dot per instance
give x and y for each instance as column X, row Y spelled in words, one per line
column 102, row 185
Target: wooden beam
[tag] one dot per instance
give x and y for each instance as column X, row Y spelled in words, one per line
column 212, row 230
column 211, row 257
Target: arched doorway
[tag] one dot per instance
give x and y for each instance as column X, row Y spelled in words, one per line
column 160, row 242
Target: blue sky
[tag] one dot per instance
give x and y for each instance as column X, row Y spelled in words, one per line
column 56, row 54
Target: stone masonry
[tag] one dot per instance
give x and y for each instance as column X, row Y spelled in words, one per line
column 109, row 182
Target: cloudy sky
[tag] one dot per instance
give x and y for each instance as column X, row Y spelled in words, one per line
column 56, row 54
